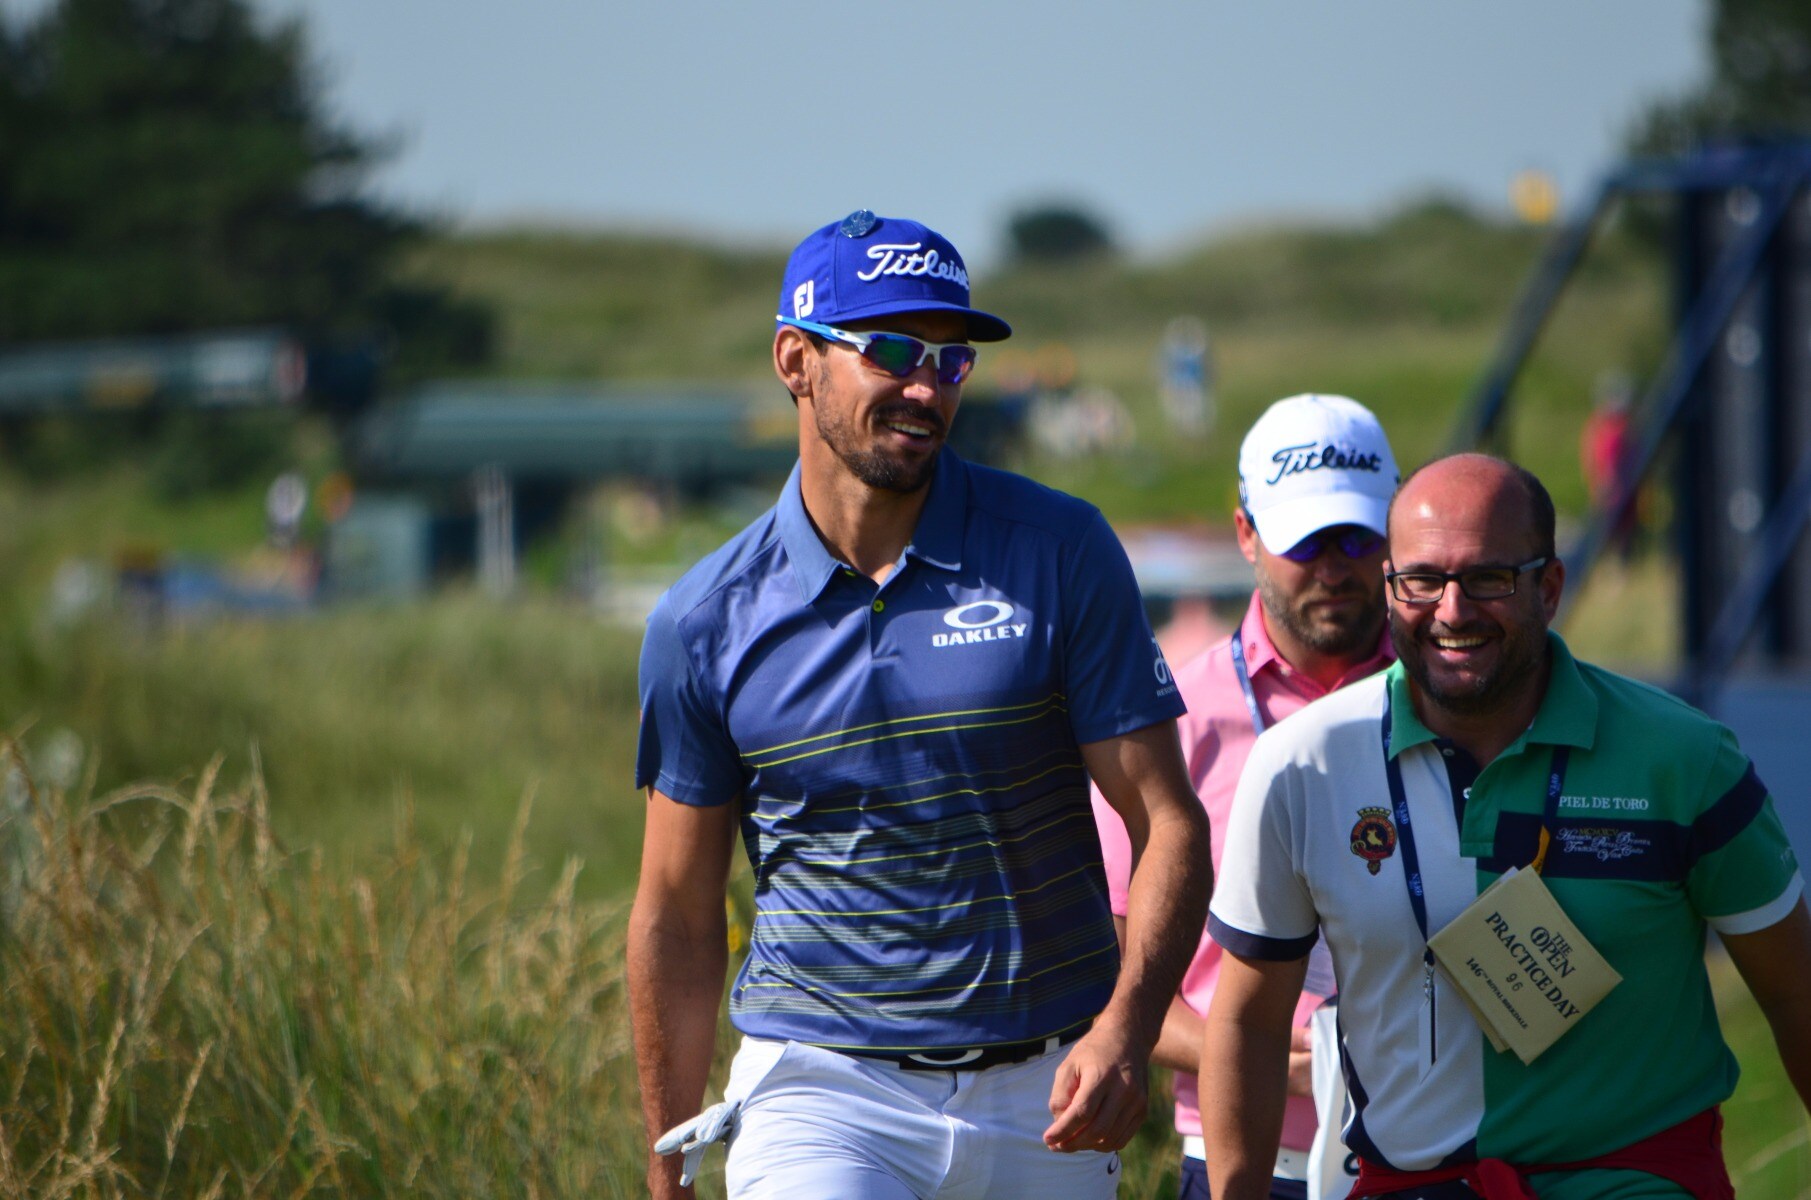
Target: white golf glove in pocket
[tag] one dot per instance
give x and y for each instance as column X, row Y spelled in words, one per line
column 692, row 1138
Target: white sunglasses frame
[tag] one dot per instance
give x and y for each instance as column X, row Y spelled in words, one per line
column 860, row 340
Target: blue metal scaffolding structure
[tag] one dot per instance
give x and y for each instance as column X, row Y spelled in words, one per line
column 1759, row 185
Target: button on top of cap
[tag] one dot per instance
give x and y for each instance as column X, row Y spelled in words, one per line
column 858, row 224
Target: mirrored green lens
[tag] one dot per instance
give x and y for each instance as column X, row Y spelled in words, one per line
column 894, row 353
column 899, row 355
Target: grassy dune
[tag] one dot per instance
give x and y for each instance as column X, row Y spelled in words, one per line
column 1401, row 313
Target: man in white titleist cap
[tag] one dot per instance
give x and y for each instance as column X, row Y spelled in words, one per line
column 1315, row 478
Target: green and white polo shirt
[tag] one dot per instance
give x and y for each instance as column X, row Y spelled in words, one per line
column 1663, row 828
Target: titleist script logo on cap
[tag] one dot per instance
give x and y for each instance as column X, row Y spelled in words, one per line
column 867, row 267
column 1311, row 462
column 1313, row 456
column 911, row 259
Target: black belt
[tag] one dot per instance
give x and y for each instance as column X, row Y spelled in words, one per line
column 971, row 1058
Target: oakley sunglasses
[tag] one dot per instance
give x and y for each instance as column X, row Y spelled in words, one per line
column 897, row 354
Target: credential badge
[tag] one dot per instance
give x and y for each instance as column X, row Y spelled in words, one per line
column 1374, row 837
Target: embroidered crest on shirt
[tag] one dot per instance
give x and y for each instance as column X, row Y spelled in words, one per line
column 1374, row 837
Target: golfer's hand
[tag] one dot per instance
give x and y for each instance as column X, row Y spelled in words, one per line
column 1098, row 1099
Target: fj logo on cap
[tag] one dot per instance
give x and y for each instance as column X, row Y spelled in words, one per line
column 804, row 298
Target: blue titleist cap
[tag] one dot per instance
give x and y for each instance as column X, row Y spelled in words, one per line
column 869, row 266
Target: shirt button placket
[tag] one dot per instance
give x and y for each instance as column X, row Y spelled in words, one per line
column 877, row 626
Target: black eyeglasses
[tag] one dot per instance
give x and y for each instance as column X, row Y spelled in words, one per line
column 1478, row 583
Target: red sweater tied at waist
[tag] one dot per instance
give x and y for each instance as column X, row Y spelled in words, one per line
column 1689, row 1154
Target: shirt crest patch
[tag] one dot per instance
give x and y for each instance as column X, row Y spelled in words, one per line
column 1374, row 837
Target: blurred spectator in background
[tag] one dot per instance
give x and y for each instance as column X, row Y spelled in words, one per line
column 1603, row 449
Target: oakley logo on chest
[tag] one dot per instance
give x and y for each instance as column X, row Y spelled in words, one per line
column 898, row 259
column 979, row 621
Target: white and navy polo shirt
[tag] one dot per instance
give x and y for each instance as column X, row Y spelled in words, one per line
column 906, row 757
column 1662, row 829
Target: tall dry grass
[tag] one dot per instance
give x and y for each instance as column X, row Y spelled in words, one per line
column 189, row 1010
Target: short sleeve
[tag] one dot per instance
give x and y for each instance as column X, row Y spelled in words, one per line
column 684, row 749
column 1117, row 680
column 1262, row 907
column 1743, row 875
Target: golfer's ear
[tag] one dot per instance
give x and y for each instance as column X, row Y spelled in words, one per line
column 793, row 355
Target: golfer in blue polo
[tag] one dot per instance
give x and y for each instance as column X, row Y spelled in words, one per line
column 897, row 684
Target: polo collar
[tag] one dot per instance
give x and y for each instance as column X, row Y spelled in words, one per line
column 936, row 540
column 1568, row 712
column 1567, row 715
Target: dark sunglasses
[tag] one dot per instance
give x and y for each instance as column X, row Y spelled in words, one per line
column 898, row 354
column 1354, row 541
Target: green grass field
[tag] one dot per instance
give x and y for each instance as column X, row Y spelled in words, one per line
column 273, row 922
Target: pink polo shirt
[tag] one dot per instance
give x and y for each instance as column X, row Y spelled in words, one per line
column 1216, row 739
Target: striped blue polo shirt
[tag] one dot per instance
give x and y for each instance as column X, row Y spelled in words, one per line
column 907, row 760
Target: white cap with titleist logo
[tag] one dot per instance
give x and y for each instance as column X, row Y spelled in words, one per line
column 1312, row 462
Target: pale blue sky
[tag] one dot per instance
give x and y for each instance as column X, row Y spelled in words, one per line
column 1171, row 120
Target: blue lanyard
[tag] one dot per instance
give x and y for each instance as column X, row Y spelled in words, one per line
column 1405, row 836
column 1405, row 829
column 1238, row 668
column 1411, row 862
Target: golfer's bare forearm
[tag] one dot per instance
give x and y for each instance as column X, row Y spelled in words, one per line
column 675, row 975
column 1166, row 906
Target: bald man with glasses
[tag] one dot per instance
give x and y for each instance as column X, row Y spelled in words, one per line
column 1514, row 857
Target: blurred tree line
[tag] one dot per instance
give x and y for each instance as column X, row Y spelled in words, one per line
column 1759, row 86
column 1055, row 233
column 165, row 165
